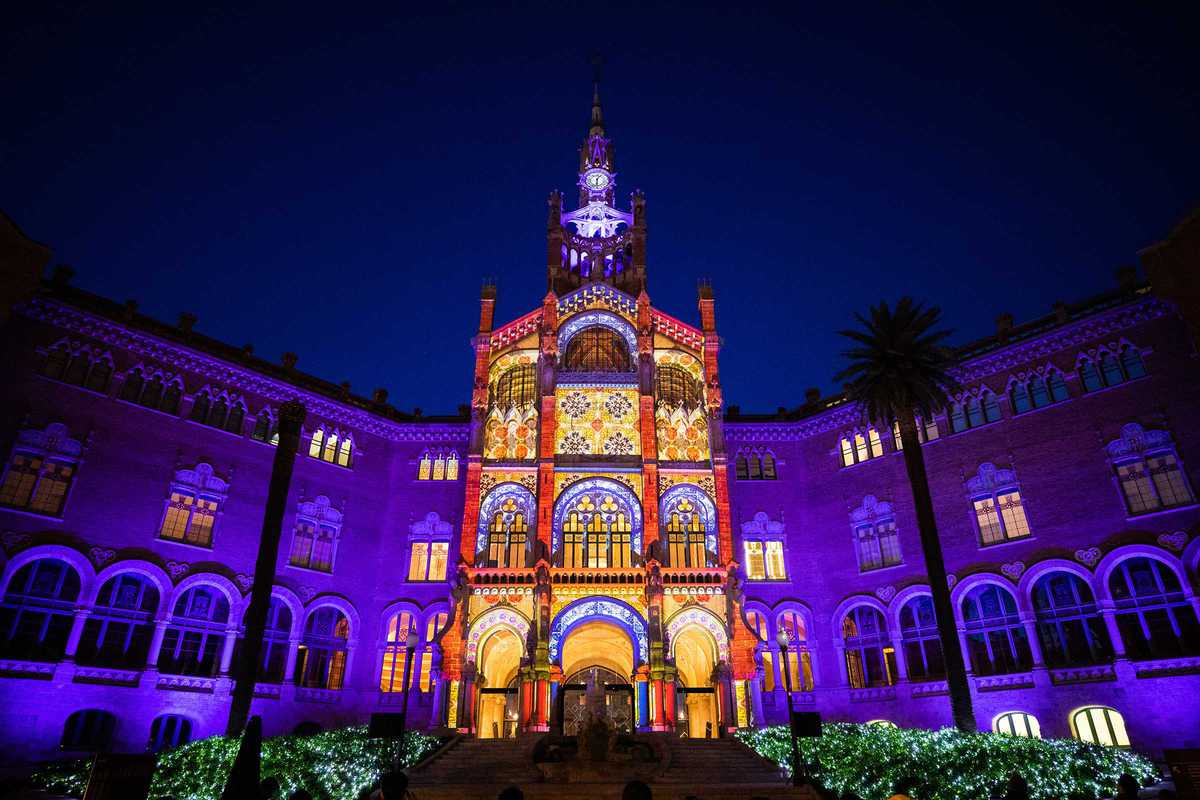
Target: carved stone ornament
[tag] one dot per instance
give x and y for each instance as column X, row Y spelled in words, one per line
column 244, row 581
column 950, row 581
column 885, row 593
column 102, row 555
column 307, row 592
column 177, row 569
column 1013, row 570
column 14, row 540
column 1173, row 541
column 1089, row 556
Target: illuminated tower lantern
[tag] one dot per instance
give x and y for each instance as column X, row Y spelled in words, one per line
column 596, row 544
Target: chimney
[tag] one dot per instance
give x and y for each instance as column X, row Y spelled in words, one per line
column 187, row 321
column 1004, row 325
column 812, row 396
column 1060, row 312
column 289, row 360
column 379, row 396
column 62, row 275
column 130, row 310
column 345, row 389
column 487, row 306
column 247, row 350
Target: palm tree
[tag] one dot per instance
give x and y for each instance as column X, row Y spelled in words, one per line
column 900, row 369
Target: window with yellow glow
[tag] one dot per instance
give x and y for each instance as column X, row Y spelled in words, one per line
column 1017, row 723
column 756, row 567
column 332, row 447
column 776, row 570
column 798, row 663
column 189, row 519
column 927, row 431
column 1099, row 725
column 418, row 563
column 438, row 466
column 860, row 446
column 401, row 632
column 433, row 625
column 1001, row 517
column 37, row 484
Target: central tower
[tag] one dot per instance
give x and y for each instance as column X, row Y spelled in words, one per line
column 596, row 242
column 596, row 541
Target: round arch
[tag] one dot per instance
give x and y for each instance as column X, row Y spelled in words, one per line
column 706, row 620
column 852, row 602
column 498, row 617
column 569, row 329
column 902, row 598
column 285, row 596
column 608, row 609
column 703, row 503
column 968, row 584
column 524, row 500
column 341, row 604
column 77, row 560
column 398, row 607
column 1040, row 570
column 570, row 494
column 218, row 582
column 1191, row 558
column 801, row 610
column 1107, row 564
column 150, row 571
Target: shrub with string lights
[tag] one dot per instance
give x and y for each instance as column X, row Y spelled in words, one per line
column 335, row 765
column 870, row 759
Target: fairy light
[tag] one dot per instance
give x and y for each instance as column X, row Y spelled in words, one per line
column 870, row 759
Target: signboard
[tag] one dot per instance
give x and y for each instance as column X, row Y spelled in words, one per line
column 120, row 777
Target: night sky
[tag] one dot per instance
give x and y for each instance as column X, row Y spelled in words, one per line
column 338, row 180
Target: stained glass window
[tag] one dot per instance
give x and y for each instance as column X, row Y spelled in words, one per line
column 597, row 349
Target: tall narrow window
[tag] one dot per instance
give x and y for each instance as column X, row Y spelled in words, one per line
column 919, row 639
column 40, row 471
column 870, row 659
column 322, row 660
column 452, row 467
column 776, row 568
column 315, row 535
column 192, row 506
column 927, row 431
column 433, row 626
column 425, row 467
column 799, row 660
column 860, row 446
column 418, row 563
column 38, row 610
column 1106, row 369
column 756, row 567
column 996, row 640
column 401, row 632
column 687, row 517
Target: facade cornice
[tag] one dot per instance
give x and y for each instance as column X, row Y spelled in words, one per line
column 1069, row 336
column 218, row 371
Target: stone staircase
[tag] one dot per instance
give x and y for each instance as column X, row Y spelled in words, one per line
column 703, row 769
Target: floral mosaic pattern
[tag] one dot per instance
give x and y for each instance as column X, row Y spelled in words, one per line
column 564, row 479
column 702, row 479
column 490, row 480
column 511, row 436
column 682, row 434
column 599, row 421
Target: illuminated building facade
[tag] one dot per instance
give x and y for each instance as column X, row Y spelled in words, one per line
column 598, row 516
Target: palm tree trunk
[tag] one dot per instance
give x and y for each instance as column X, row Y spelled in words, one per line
column 245, row 668
column 935, row 568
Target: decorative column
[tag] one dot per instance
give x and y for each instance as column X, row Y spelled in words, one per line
column 291, row 418
column 1041, row 676
column 901, row 663
column 156, row 641
column 840, row 650
column 77, row 624
column 547, row 421
column 227, row 651
column 466, row 699
column 755, row 689
column 647, row 424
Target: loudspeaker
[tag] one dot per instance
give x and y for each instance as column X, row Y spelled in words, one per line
column 806, row 723
column 386, row 726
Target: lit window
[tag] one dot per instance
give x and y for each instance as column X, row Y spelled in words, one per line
column 191, row 510
column 40, row 471
column 318, row 441
column 686, row 522
column 870, row 658
column 332, row 447
column 878, row 545
column 433, row 626
column 799, row 659
column 774, row 557
column 1001, row 517
column 401, row 632
column 1099, row 725
column 452, row 467
column 439, row 468
column 322, row 655
column 927, row 431
column 1017, row 723
column 315, row 535
column 756, row 568
column 600, row 522
column 860, row 446
column 425, row 467
column 1153, row 482
column 882, row 723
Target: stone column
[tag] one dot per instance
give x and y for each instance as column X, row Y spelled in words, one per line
column 81, row 617
column 227, row 651
column 156, row 641
column 901, row 663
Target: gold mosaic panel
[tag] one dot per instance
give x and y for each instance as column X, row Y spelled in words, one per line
column 702, row 479
column 511, row 436
column 682, row 434
column 513, row 358
column 491, row 479
column 597, row 421
column 682, row 359
column 564, row 479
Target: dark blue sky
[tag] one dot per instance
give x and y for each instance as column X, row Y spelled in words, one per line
column 337, row 180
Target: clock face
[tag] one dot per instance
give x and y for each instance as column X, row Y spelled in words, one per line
column 596, row 181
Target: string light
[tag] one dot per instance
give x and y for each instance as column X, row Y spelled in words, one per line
column 335, row 765
column 870, row 760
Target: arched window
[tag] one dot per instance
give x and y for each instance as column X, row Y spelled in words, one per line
column 1131, row 363
column 685, row 525
column 741, row 467
column 919, row 639
column 151, row 395
column 882, row 723
column 1099, row 725
column 192, row 506
column 168, row 732
column 1037, row 391
column 870, row 659
column 237, row 416
column 264, row 428
column 597, row 532
column 200, row 406
column 38, row 611
column 1089, row 376
column 1017, row 723
column 218, row 414
column 972, row 411
column 761, row 628
column 40, row 471
column 56, row 362
column 517, row 388
column 433, row 626
column 193, row 640
column 277, row 634
column 452, row 467
column 799, row 659
column 996, row 640
column 1153, row 615
column 1107, row 369
column 132, row 389
column 1069, row 626
column 927, row 431
column 675, row 387
column 597, row 349
column 170, row 398
column 508, row 534
column 332, row 447
column 314, row 539
column 90, row 729
column 118, row 631
column 860, row 446
column 425, row 467
column 401, row 632
column 768, row 470
column 322, row 661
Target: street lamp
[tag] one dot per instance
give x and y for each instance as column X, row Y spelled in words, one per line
column 781, row 637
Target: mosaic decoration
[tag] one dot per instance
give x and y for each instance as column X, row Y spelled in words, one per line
column 702, row 479
column 513, row 358
column 491, row 619
column 682, row 433
column 631, row 481
column 686, row 500
column 244, row 581
column 177, row 569
column 597, row 421
column 511, row 435
column 490, row 480
column 886, row 593
column 508, row 499
column 698, row 616
column 592, row 319
column 591, row 608
column 598, row 496
column 681, row 359
column 598, row 295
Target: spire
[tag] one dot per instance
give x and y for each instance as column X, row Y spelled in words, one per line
column 597, row 114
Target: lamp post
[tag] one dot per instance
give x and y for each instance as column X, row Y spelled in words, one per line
column 782, row 638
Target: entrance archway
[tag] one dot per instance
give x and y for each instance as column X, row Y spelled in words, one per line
column 695, row 653
column 597, row 653
column 498, row 661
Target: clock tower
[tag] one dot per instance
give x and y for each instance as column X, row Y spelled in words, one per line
column 597, row 242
